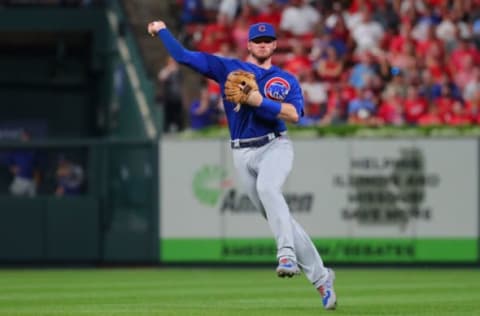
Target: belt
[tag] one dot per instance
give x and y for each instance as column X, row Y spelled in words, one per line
column 256, row 141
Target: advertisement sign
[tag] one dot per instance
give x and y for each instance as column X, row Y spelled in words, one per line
column 375, row 200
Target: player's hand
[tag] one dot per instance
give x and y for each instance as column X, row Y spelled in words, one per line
column 154, row 27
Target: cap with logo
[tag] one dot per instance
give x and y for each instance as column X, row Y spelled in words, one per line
column 261, row 30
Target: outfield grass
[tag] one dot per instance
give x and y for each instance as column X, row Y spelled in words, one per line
column 250, row 292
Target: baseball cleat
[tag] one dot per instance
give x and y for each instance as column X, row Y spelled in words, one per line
column 329, row 298
column 287, row 268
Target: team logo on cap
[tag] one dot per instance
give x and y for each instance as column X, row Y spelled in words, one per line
column 262, row 28
column 277, row 88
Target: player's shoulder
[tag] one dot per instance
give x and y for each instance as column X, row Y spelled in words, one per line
column 233, row 64
column 277, row 72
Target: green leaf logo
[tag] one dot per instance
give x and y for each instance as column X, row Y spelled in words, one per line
column 208, row 184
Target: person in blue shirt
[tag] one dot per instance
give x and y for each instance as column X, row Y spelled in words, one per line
column 23, row 164
column 262, row 152
column 70, row 177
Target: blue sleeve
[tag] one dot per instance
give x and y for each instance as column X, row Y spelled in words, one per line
column 208, row 65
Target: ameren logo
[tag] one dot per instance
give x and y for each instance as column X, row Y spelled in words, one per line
column 212, row 186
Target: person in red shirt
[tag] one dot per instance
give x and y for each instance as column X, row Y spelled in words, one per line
column 214, row 35
column 434, row 62
column 340, row 95
column 473, row 108
column 415, row 106
column 423, row 46
column 272, row 14
column 404, row 35
column 390, row 111
column 299, row 60
column 431, row 117
column 465, row 48
column 458, row 115
column 330, row 68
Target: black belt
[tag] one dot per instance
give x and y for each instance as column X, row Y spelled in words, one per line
column 257, row 141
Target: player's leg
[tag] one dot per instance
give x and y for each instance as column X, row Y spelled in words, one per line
column 247, row 176
column 274, row 164
column 312, row 265
column 246, row 163
column 308, row 257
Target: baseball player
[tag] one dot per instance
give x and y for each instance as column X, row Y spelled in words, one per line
column 258, row 99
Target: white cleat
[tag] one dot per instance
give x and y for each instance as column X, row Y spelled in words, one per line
column 287, row 268
column 329, row 298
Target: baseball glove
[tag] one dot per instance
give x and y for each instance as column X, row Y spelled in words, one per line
column 239, row 85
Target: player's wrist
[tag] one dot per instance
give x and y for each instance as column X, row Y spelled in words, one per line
column 255, row 98
column 272, row 107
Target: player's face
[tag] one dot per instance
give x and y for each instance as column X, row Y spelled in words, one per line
column 262, row 48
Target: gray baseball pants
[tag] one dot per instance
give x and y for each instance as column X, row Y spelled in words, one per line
column 262, row 172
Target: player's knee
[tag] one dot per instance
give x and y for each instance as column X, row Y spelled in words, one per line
column 267, row 190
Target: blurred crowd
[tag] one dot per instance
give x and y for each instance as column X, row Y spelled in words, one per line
column 382, row 62
column 33, row 171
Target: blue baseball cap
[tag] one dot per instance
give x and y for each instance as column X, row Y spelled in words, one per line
column 261, row 30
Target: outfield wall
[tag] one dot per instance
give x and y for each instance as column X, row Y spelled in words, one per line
column 361, row 200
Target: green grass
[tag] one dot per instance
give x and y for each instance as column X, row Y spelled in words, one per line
column 248, row 292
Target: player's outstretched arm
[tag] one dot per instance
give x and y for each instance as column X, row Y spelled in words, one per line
column 195, row 60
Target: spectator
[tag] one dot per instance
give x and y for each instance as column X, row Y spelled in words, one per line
column 402, row 36
column 390, row 111
column 414, row 106
column 362, row 109
column 445, row 103
column 473, row 105
column 465, row 74
column 386, row 15
column 363, row 71
column 330, row 68
column 170, row 79
column 458, row 114
column 398, row 84
column 228, row 10
column 214, row 35
column 272, row 13
column 70, row 177
column 204, row 111
column 430, row 39
column 447, row 29
column 416, row 5
column 404, row 59
column 23, row 164
column 315, row 96
column 240, row 29
column 341, row 39
column 339, row 97
column 431, row 117
column 434, row 62
column 367, row 34
column 464, row 48
column 472, row 87
column 192, row 12
column 299, row 19
column 298, row 60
